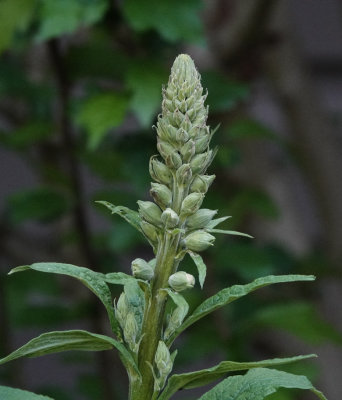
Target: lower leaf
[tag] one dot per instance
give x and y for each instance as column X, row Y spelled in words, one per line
column 7, row 393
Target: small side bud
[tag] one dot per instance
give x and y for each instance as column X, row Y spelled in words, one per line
column 202, row 144
column 163, row 360
column 173, row 160
column 121, row 310
column 202, row 183
column 161, row 194
column 175, row 322
column 182, row 135
column 142, row 270
column 160, row 172
column 181, row 280
column 199, row 240
column 188, row 150
column 131, row 331
column 150, row 231
column 170, row 218
column 184, row 175
column 200, row 162
column 150, row 212
column 191, row 203
column 165, row 149
column 201, row 218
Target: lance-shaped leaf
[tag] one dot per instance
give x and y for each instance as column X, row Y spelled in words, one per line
column 132, row 217
column 56, row 342
column 216, row 221
column 225, row 232
column 179, row 300
column 257, row 384
column 136, row 300
column 226, row 296
column 205, row 376
column 201, row 267
column 118, row 278
column 91, row 279
column 7, row 393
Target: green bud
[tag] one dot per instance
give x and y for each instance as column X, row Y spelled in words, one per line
column 191, row 203
column 165, row 149
column 200, row 162
column 188, row 150
column 170, row 218
column 173, row 160
column 142, row 270
column 181, row 280
column 121, row 310
column 150, row 231
column 160, row 172
column 163, row 363
column 184, row 175
column 201, row 183
column 182, row 135
column 150, row 212
column 199, row 240
column 131, row 330
column 161, row 194
column 202, row 143
column 201, row 218
column 175, row 322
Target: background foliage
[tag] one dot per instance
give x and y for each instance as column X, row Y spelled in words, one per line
column 80, row 87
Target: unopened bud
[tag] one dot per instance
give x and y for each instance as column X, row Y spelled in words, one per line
column 170, row 218
column 199, row 240
column 161, row 194
column 121, row 310
column 150, row 231
column 131, row 330
column 163, row 360
column 201, row 218
column 182, row 135
column 188, row 150
column 175, row 322
column 142, row 270
column 150, row 212
column 160, row 172
column 201, row 183
column 184, row 175
column 200, row 162
column 202, row 143
column 181, row 280
column 191, row 203
column 173, row 160
column 165, row 149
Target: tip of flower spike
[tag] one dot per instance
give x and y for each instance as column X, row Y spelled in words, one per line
column 184, row 67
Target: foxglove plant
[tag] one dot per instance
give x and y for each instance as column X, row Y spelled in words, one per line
column 175, row 225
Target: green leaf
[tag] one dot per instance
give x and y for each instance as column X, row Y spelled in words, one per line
column 26, row 135
column 15, row 15
column 136, row 300
column 132, row 217
column 41, row 204
column 66, row 16
column 56, row 342
column 257, row 384
column 216, row 221
column 228, row 295
column 173, row 19
column 101, row 113
column 201, row 267
column 179, row 300
column 145, row 80
column 7, row 393
column 228, row 232
column 205, row 376
column 250, row 129
column 118, row 278
column 93, row 280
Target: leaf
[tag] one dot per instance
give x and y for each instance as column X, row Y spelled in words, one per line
column 257, row 384
column 56, row 342
column 15, row 15
column 93, row 280
column 205, row 376
column 132, row 217
column 173, row 19
column 228, row 295
column 179, row 300
column 201, row 267
column 136, row 300
column 145, row 79
column 42, row 204
column 101, row 113
column 250, row 129
column 66, row 16
column 7, row 393
column 118, row 278
column 26, row 135
column 215, row 222
column 228, row 232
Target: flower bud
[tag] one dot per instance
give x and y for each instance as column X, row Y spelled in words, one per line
column 202, row 143
column 184, row 175
column 165, row 149
column 200, row 162
column 175, row 322
column 150, row 212
column 121, row 310
column 181, row 280
column 142, row 270
column 170, row 218
column 163, row 362
column 173, row 160
column 150, row 231
column 199, row 240
column 131, row 330
column 201, row 218
column 161, row 194
column 182, row 135
column 191, row 203
column 201, row 183
column 160, row 172
column 188, row 150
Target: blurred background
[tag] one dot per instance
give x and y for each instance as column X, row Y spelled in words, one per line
column 80, row 88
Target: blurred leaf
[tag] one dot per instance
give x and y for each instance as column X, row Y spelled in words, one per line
column 65, row 16
column 41, row 204
column 15, row 15
column 145, row 79
column 173, row 19
column 7, row 393
column 250, row 129
column 106, row 163
column 101, row 113
column 300, row 319
column 91, row 387
column 223, row 94
column 26, row 135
